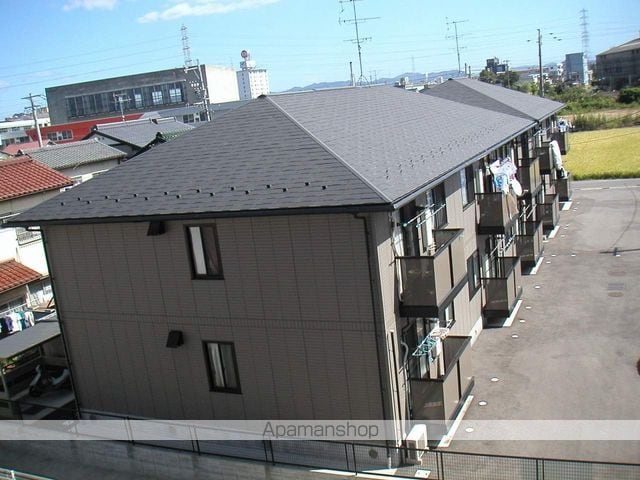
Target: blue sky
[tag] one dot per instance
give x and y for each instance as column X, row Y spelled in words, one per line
column 49, row 42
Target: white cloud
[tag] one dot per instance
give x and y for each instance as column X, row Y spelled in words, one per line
column 90, row 4
column 198, row 8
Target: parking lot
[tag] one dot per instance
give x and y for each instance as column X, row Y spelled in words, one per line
column 573, row 350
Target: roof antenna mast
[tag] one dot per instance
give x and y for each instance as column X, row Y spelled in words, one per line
column 194, row 75
column 358, row 40
column 456, row 36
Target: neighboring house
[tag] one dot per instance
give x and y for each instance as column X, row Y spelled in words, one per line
column 14, row 148
column 16, row 131
column 24, row 183
column 74, row 131
column 137, row 136
column 576, row 70
column 80, row 161
column 145, row 92
column 619, row 66
column 319, row 255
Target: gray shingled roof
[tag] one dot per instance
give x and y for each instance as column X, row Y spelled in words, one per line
column 68, row 155
column 494, row 97
column 356, row 148
column 139, row 133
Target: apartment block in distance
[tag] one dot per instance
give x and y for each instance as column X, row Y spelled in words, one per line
column 341, row 270
column 145, row 92
column 252, row 81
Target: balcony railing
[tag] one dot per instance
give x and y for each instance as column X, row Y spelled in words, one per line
column 502, row 288
column 427, row 281
column 529, row 175
column 563, row 140
column 549, row 211
column 529, row 244
column 440, row 397
column 497, row 212
column 544, row 154
column 563, row 187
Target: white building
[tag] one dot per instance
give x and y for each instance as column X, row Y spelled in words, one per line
column 252, row 81
column 16, row 131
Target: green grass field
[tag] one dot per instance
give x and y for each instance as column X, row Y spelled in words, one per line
column 611, row 153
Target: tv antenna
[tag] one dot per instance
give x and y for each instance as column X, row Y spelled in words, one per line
column 456, row 36
column 358, row 40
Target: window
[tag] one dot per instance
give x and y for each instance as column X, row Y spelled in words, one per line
column 205, row 252
column 156, row 97
column 222, row 367
column 467, row 185
column 189, row 118
column 175, row 95
column 137, row 98
column 473, row 271
column 63, row 135
column 439, row 206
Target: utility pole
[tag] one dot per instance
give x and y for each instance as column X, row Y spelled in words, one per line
column 355, row 20
column 351, row 77
column 120, row 98
column 540, row 63
column 455, row 27
column 34, row 112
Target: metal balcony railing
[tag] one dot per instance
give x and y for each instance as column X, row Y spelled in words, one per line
column 549, row 211
column 529, row 174
column 529, row 243
column 427, row 281
column 497, row 212
column 502, row 287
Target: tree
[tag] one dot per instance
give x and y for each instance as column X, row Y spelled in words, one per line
column 487, row 76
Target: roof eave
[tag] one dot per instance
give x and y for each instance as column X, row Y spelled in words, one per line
column 337, row 209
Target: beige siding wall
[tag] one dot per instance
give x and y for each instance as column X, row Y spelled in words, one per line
column 295, row 300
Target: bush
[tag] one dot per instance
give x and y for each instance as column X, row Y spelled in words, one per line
column 584, row 122
column 629, row 95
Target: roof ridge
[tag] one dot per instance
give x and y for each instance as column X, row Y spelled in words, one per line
column 325, row 147
column 518, row 113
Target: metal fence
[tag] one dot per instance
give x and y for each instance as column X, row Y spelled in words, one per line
column 7, row 474
column 359, row 458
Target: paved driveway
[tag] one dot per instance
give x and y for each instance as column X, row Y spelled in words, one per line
column 578, row 332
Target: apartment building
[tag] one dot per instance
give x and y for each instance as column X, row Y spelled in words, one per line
column 318, row 255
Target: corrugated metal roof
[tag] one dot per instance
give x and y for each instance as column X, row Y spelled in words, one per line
column 494, row 97
column 25, row 176
column 74, row 154
column 356, row 147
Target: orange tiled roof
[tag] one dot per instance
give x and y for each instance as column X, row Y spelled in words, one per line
column 14, row 274
column 24, row 176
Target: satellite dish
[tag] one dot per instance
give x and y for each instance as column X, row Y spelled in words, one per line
column 244, row 54
column 517, row 188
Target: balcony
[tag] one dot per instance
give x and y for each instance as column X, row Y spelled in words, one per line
column 502, row 288
column 439, row 388
column 529, row 244
column 427, row 282
column 497, row 212
column 549, row 211
column 563, row 140
column 563, row 187
column 544, row 154
column 529, row 175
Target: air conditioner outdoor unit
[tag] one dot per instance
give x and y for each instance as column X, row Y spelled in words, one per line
column 417, row 443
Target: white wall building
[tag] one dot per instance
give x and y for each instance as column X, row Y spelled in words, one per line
column 252, row 81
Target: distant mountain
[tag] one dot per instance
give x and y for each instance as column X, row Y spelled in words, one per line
column 413, row 77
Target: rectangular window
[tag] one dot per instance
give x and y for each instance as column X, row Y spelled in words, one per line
column 222, row 367
column 189, row 118
column 156, row 97
column 473, row 270
column 205, row 251
column 467, row 186
column 439, row 206
column 175, row 95
column 63, row 135
column 138, row 100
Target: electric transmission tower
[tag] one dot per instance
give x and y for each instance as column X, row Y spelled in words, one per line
column 358, row 40
column 456, row 36
column 585, row 33
column 194, row 75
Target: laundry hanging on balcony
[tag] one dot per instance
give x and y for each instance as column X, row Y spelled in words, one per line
column 504, row 172
column 556, row 158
